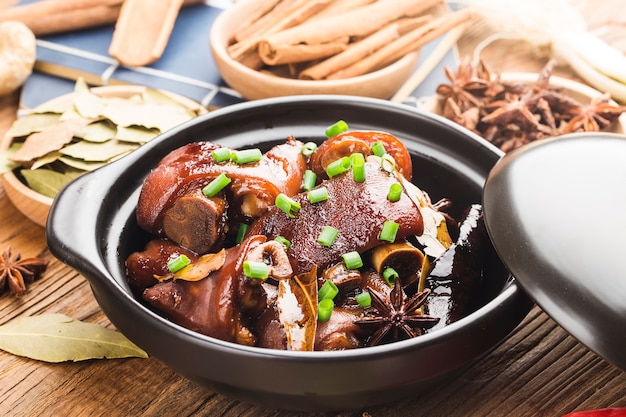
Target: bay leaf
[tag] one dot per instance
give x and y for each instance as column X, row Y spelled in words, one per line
column 50, row 139
column 98, row 131
column 149, row 115
column 45, row 160
column 81, row 164
column 151, row 95
column 116, row 157
column 97, row 152
column 72, row 113
column 58, row 105
column 136, row 134
column 6, row 164
column 46, row 181
column 59, row 338
column 31, row 123
column 86, row 103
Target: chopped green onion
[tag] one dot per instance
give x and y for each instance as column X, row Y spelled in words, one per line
column 387, row 163
column 327, row 291
column 325, row 309
column 337, row 128
column 352, row 260
column 256, row 269
column 364, row 299
column 358, row 167
column 339, row 166
column 241, row 233
column 378, row 148
column 178, row 263
column 309, row 148
column 246, row 156
column 308, row 180
column 327, row 236
column 221, row 154
column 395, row 192
column 390, row 276
column 318, row 194
column 389, row 231
column 216, row 185
column 286, row 204
column 284, row 241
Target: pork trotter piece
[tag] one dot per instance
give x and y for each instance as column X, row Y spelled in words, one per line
column 219, row 305
column 171, row 202
column 357, row 210
column 351, row 142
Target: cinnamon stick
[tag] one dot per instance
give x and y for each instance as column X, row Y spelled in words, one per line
column 251, row 60
column 5, row 4
column 247, row 37
column 142, row 30
column 288, row 15
column 259, row 19
column 410, row 42
column 289, row 54
column 56, row 16
column 53, row 16
column 341, row 6
column 358, row 22
column 363, row 48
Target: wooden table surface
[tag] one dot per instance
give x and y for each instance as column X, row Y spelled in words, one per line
column 539, row 370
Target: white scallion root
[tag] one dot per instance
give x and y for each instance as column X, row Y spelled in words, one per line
column 557, row 26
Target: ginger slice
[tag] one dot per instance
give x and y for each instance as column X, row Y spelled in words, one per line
column 142, row 30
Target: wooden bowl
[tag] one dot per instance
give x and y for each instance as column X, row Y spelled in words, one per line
column 252, row 84
column 578, row 91
column 36, row 206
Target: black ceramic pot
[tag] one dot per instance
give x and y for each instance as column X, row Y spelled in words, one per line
column 92, row 228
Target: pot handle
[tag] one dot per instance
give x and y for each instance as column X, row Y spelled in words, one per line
column 72, row 233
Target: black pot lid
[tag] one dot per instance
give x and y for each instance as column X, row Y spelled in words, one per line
column 556, row 212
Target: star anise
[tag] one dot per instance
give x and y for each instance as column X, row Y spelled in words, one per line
column 468, row 118
column 515, row 110
column 599, row 114
column 397, row 316
column 16, row 272
column 463, row 87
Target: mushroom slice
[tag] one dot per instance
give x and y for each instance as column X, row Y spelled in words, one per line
column 202, row 267
column 345, row 279
column 273, row 254
column 405, row 258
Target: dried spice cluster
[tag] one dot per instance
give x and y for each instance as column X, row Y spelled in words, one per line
column 512, row 114
column 61, row 139
column 16, row 272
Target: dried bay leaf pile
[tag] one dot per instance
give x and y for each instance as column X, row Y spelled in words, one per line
column 62, row 139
